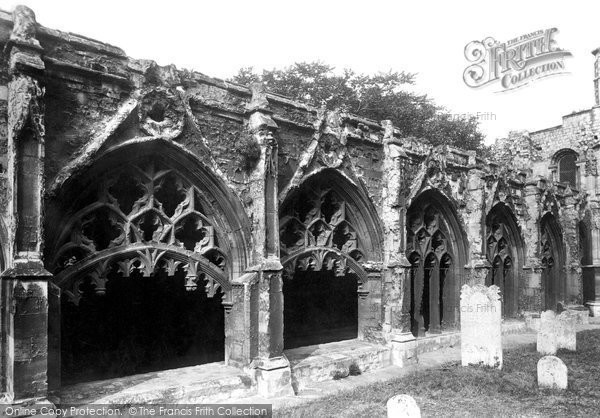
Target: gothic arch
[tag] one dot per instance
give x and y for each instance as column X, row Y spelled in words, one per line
column 147, row 208
column 325, row 207
column 552, row 257
column 220, row 207
column 505, row 253
column 437, row 249
column 328, row 232
column 586, row 260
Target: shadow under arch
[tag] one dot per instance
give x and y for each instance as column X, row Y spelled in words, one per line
column 197, row 238
column 437, row 248
column 501, row 226
column 329, row 229
column 584, row 228
column 552, row 256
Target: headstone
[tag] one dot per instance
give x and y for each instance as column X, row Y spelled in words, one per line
column 566, row 333
column 403, row 406
column 552, row 373
column 481, row 326
column 547, row 343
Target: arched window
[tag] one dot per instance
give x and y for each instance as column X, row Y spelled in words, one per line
column 567, row 167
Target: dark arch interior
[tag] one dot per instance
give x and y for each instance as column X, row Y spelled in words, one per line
column 505, row 254
column 319, row 307
column 436, row 250
column 585, row 250
column 141, row 324
column 552, row 257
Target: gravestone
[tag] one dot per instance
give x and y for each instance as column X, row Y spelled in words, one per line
column 403, row 406
column 566, row 336
column 552, row 373
column 481, row 326
column 547, row 336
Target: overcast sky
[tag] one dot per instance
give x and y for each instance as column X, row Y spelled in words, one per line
column 424, row 37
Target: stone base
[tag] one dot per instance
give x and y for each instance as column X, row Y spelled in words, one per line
column 404, row 349
column 273, row 377
column 594, row 308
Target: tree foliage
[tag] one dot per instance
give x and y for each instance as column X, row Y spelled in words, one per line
column 380, row 96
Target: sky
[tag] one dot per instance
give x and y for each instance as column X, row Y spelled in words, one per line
column 423, row 37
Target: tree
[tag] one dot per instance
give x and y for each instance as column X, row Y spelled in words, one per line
column 380, row 96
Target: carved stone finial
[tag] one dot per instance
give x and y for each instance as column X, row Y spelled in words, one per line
column 259, row 98
column 258, row 108
column 24, row 25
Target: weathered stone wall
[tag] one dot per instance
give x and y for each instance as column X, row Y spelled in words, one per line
column 255, row 151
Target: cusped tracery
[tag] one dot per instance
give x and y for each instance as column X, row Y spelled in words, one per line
column 144, row 217
column 316, row 233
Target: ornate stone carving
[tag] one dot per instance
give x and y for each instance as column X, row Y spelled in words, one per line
column 317, row 235
column 145, row 205
column 162, row 113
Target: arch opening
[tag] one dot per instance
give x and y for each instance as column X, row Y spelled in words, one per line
column 326, row 233
column 505, row 255
column 143, row 251
column 552, row 255
column 436, row 249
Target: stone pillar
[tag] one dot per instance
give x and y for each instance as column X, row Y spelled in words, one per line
column 271, row 367
column 573, row 286
column 397, row 286
column 240, row 330
column 530, row 290
column 594, row 305
column 25, row 282
column 478, row 267
column 370, row 304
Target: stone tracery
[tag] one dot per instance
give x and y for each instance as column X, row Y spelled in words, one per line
column 317, row 234
column 141, row 218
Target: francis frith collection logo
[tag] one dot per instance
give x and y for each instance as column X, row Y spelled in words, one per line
column 514, row 63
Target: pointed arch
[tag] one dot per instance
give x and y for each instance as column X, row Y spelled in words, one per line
column 329, row 228
column 501, row 226
column 219, row 203
column 171, row 238
column 552, row 256
column 435, row 232
column 329, row 199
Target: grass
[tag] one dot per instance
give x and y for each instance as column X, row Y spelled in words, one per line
column 452, row 390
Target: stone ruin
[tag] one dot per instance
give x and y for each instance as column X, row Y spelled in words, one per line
column 240, row 223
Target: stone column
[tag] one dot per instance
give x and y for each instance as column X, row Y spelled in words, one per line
column 370, row 304
column 397, row 286
column 240, row 329
column 594, row 305
column 272, row 369
column 572, row 293
column 25, row 282
column 530, row 290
